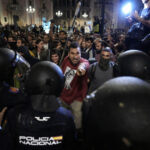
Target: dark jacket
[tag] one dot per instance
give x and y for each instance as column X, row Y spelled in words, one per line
column 28, row 129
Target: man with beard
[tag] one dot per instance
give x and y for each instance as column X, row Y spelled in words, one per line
column 99, row 45
column 101, row 71
column 74, row 68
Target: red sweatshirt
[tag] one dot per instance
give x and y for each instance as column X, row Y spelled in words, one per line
column 75, row 86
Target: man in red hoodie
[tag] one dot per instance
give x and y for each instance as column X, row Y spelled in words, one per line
column 75, row 70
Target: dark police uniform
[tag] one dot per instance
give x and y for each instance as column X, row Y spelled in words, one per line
column 42, row 123
column 118, row 118
column 10, row 96
column 29, row 129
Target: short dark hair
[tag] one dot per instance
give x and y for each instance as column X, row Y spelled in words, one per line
column 38, row 41
column 55, row 51
column 89, row 39
column 103, row 43
column 22, row 40
column 74, row 44
column 63, row 32
column 107, row 49
column 55, row 43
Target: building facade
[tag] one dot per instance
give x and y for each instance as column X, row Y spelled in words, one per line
column 62, row 11
column 14, row 11
column 68, row 8
column 91, row 8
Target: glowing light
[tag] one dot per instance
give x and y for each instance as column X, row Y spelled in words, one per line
column 127, row 8
column 85, row 15
column 59, row 13
column 30, row 9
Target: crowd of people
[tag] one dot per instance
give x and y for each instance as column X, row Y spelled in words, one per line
column 62, row 91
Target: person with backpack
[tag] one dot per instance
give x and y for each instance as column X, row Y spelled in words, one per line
column 101, row 71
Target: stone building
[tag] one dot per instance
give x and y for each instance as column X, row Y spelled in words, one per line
column 14, row 11
column 89, row 7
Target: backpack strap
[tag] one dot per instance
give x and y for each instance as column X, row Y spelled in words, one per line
column 92, row 71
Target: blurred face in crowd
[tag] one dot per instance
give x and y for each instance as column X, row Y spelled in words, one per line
column 46, row 39
column 55, row 58
column 98, row 46
column 104, row 60
column 88, row 44
column 105, row 55
column 109, row 37
column 97, row 40
column 54, row 36
column 58, row 45
column 40, row 45
column 19, row 43
column 74, row 55
column 122, row 38
column 62, row 35
column 29, row 38
column 10, row 39
column 34, row 43
column 68, row 43
column 83, row 44
column 80, row 39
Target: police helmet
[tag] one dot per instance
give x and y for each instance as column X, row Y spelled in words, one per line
column 134, row 63
column 45, row 78
column 9, row 59
column 120, row 116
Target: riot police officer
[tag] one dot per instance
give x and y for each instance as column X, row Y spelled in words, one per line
column 9, row 59
column 9, row 96
column 43, row 123
column 134, row 63
column 120, row 117
column 130, row 63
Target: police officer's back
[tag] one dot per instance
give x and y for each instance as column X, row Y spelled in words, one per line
column 42, row 124
column 119, row 116
column 116, row 116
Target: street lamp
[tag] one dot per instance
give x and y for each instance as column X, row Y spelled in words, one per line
column 85, row 15
column 59, row 13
